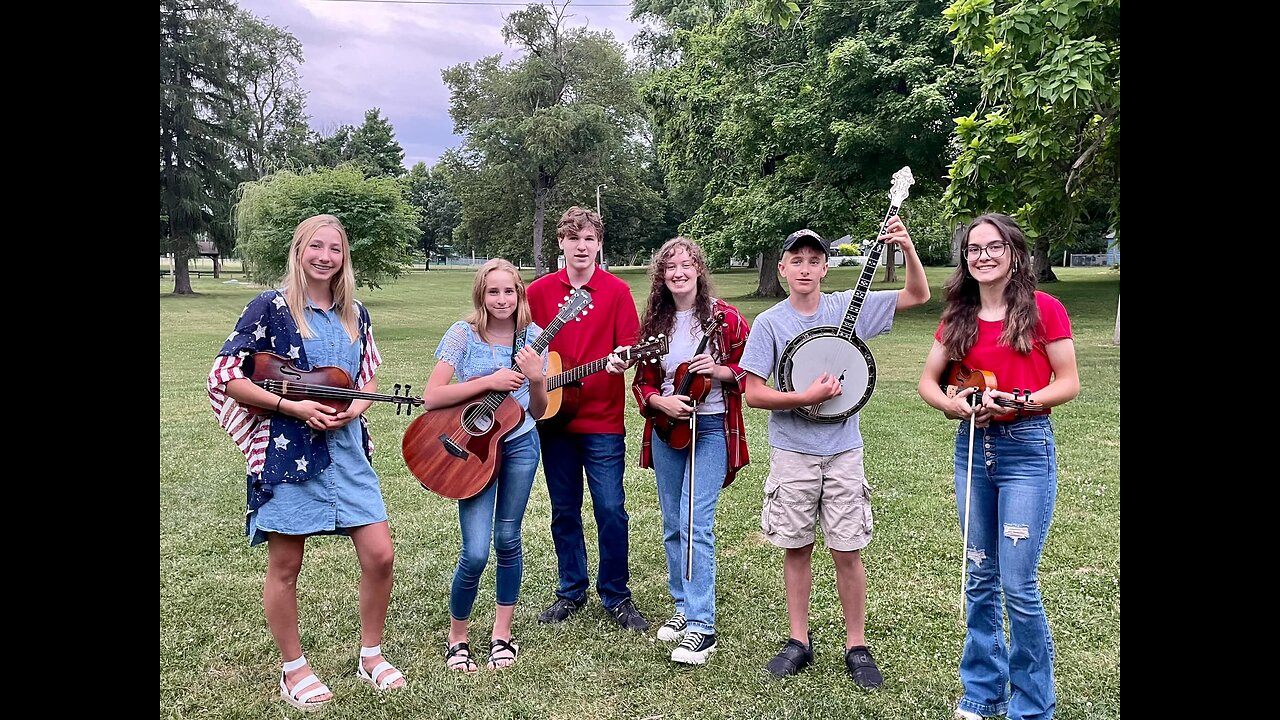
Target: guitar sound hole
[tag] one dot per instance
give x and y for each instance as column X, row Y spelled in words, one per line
column 478, row 421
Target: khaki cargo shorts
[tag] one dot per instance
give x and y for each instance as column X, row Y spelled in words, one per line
column 803, row 487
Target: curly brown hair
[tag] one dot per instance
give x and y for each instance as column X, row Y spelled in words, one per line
column 660, row 308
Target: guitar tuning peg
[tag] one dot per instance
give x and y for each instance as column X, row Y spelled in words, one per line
column 590, row 305
column 577, row 319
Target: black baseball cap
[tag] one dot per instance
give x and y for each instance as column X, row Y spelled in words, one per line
column 805, row 237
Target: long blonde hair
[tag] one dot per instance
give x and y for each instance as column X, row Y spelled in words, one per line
column 294, row 282
column 479, row 317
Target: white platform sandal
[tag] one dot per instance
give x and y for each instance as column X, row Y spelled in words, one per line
column 384, row 666
column 297, row 697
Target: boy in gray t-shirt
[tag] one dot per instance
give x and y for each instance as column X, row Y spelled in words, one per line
column 816, row 469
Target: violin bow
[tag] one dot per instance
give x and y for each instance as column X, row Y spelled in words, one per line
column 968, row 487
column 693, row 454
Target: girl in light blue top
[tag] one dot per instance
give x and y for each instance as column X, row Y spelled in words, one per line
column 487, row 352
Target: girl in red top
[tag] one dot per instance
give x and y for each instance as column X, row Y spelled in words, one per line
column 679, row 306
column 995, row 320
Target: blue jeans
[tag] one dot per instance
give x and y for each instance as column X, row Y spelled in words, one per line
column 601, row 456
column 1015, row 482
column 496, row 513
column 696, row 597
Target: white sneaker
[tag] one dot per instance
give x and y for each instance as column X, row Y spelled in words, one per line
column 694, row 649
column 965, row 715
column 673, row 629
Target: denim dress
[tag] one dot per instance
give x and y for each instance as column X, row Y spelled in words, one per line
column 346, row 494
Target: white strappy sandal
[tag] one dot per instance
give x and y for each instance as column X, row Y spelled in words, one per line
column 297, row 697
column 384, row 666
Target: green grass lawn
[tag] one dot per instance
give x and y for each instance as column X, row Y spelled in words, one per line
column 217, row 659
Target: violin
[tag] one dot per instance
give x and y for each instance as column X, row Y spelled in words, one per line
column 328, row 385
column 959, row 377
column 677, row 434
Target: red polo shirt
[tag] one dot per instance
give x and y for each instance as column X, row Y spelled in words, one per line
column 609, row 322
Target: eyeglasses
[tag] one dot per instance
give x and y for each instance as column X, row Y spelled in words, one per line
column 994, row 250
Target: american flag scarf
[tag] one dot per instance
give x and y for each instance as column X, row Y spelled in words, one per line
column 277, row 448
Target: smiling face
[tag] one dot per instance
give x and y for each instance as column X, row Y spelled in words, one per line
column 580, row 248
column 501, row 298
column 680, row 275
column 803, row 268
column 987, row 254
column 322, row 256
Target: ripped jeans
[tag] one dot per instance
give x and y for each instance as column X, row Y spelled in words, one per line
column 1015, row 482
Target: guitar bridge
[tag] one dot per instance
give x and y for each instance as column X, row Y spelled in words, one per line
column 453, row 447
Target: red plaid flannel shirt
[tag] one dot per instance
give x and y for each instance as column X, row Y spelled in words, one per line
column 733, row 340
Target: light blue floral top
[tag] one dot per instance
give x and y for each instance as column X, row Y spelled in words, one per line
column 472, row 357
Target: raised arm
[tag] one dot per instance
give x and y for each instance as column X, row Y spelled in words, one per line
column 916, row 290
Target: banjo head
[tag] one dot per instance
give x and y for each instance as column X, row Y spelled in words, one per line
column 821, row 350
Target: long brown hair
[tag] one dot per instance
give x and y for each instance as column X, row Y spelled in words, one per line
column 479, row 316
column 660, row 308
column 343, row 283
column 1021, row 315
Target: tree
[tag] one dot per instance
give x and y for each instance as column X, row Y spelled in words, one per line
column 1046, row 142
column 373, row 147
column 429, row 191
column 381, row 226
column 196, row 99
column 269, row 111
column 567, row 103
column 776, row 127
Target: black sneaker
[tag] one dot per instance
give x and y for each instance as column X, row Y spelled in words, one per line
column 628, row 616
column 559, row 611
column 793, row 658
column 695, row 648
column 862, row 668
column 673, row 629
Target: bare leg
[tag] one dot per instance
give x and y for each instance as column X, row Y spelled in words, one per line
column 280, row 602
column 502, row 630
column 851, row 584
column 377, row 559
column 797, row 574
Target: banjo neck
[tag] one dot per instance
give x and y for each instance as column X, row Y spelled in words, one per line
column 864, row 280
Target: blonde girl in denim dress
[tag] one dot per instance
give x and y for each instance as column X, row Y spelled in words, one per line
column 308, row 466
column 996, row 320
column 489, row 352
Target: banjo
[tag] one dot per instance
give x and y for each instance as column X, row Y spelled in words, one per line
column 839, row 351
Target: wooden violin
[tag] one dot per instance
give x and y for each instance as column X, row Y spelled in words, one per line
column 328, row 385
column 677, row 433
column 959, row 376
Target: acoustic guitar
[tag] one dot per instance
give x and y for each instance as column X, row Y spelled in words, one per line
column 456, row 451
column 564, row 387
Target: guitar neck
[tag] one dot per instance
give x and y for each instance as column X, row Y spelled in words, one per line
column 864, row 280
column 559, row 380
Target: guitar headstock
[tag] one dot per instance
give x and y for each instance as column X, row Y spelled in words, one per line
column 576, row 302
column 902, row 182
column 650, row 350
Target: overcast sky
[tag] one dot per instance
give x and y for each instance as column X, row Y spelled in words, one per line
column 361, row 54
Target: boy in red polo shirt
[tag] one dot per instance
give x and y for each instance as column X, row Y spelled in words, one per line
column 594, row 441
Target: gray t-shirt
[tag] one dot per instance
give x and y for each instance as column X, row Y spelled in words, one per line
column 770, row 333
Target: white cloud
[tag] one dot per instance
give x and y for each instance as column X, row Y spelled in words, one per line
column 361, row 55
